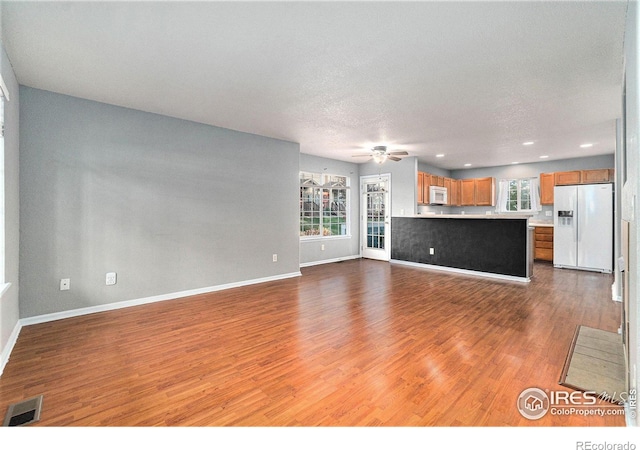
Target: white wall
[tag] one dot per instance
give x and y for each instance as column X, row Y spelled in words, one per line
column 9, row 307
column 631, row 188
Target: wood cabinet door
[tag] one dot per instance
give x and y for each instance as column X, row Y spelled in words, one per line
column 421, row 188
column 565, row 178
column 447, row 185
column 594, row 176
column 544, row 243
column 485, row 191
column 437, row 180
column 425, row 188
column 547, row 182
column 453, row 194
column 468, row 192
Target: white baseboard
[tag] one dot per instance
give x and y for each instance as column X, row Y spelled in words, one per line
column 6, row 352
column 464, row 271
column 142, row 301
column 328, row 261
column 614, row 296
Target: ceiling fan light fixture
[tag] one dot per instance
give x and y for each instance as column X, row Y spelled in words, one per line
column 379, row 158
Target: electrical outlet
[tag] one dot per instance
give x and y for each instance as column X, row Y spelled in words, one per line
column 275, row 257
column 110, row 279
column 65, row 284
column 322, row 247
column 548, row 213
column 432, row 251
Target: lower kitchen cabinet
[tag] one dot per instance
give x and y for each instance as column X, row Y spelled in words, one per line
column 543, row 244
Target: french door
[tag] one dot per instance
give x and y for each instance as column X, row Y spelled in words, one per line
column 375, row 213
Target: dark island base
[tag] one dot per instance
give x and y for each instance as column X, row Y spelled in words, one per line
column 492, row 246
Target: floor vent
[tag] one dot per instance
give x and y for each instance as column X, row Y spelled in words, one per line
column 23, row 413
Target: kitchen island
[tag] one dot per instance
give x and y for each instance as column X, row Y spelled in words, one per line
column 498, row 246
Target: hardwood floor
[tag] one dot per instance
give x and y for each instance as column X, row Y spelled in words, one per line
column 357, row 343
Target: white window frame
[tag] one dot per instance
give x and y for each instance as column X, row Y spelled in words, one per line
column 519, row 195
column 503, row 196
column 324, row 185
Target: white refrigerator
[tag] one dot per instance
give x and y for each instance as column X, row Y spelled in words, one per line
column 583, row 227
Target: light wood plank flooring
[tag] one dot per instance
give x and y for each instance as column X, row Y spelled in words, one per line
column 357, row 343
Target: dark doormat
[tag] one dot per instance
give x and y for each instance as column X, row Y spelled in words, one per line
column 596, row 363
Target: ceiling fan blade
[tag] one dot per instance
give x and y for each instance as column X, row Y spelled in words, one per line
column 361, row 156
column 394, row 158
column 403, row 153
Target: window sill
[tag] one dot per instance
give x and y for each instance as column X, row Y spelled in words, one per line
column 324, row 238
column 524, row 211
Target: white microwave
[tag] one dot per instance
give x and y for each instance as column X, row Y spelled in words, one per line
column 437, row 195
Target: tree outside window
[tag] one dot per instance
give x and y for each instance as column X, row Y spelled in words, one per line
column 323, row 205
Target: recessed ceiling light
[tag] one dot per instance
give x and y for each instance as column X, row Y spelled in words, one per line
column 544, row 156
column 467, row 164
column 441, row 155
column 528, row 143
column 586, row 145
column 515, row 162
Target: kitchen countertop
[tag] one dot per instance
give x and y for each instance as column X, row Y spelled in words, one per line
column 469, row 216
column 541, row 224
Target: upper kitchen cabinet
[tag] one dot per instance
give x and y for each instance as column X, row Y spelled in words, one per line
column 424, row 181
column 437, row 180
column 596, row 176
column 547, row 183
column 478, row 192
column 565, row 178
column 485, row 191
column 454, row 194
column 468, row 192
column 447, row 185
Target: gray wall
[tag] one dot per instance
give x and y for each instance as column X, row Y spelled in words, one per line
column 340, row 247
column 9, row 309
column 169, row 205
column 534, row 169
column 428, row 168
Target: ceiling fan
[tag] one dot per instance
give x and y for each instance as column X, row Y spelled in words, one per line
column 380, row 154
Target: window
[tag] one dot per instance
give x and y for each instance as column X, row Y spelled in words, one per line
column 518, row 195
column 324, row 201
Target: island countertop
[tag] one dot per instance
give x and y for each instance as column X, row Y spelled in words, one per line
column 469, row 216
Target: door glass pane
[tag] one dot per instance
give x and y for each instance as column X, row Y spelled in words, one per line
column 375, row 198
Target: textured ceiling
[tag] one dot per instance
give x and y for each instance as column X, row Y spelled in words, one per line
column 470, row 80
